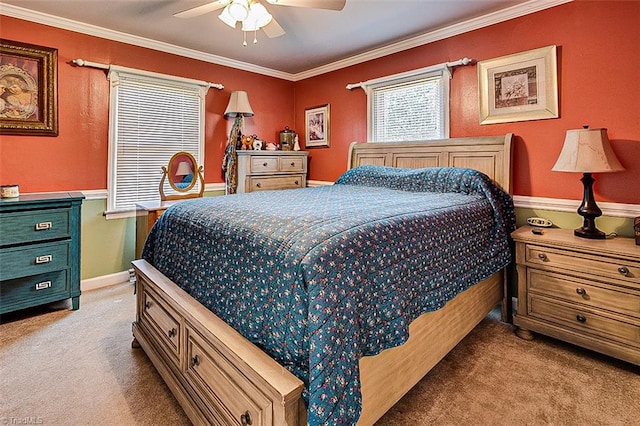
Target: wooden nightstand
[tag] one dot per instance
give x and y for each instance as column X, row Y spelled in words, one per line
column 267, row 170
column 147, row 214
column 586, row 292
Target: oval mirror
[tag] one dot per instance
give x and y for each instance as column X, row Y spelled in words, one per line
column 181, row 171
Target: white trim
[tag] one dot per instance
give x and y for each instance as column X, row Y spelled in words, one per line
column 513, row 12
column 104, row 281
column 95, row 194
column 562, row 205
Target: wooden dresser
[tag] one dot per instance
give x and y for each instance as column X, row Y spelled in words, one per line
column 268, row 170
column 586, row 292
column 39, row 250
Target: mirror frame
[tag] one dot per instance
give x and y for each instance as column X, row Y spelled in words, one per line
column 169, row 171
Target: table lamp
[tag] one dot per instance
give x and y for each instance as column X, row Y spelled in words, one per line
column 588, row 151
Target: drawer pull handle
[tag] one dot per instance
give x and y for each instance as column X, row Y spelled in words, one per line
column 623, row 270
column 147, row 305
column 43, row 285
column 41, row 226
column 581, row 318
column 245, row 419
column 265, row 164
column 258, row 185
column 542, row 256
column 293, row 164
column 44, row 259
column 171, row 333
column 195, row 361
column 296, row 182
column 581, row 291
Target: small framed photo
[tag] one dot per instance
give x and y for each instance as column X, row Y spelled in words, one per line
column 317, row 126
column 28, row 89
column 519, row 87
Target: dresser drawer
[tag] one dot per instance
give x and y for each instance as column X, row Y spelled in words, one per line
column 264, row 164
column 622, row 300
column 585, row 320
column 162, row 321
column 276, row 182
column 34, row 290
column 36, row 225
column 34, row 259
column 229, row 393
column 292, row 164
column 583, row 263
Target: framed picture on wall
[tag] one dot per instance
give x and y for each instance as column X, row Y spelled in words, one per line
column 29, row 89
column 519, row 87
column 316, row 126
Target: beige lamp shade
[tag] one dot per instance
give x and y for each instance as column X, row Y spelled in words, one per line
column 184, row 168
column 238, row 105
column 587, row 151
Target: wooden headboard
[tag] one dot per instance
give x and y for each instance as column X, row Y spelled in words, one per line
column 489, row 154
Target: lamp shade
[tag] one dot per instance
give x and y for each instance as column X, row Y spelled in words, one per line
column 238, row 105
column 184, row 168
column 587, row 151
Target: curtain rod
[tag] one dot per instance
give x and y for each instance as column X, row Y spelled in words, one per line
column 82, row 63
column 447, row 65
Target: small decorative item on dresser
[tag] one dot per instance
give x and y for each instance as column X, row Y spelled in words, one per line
column 636, row 228
column 9, row 191
column 287, row 137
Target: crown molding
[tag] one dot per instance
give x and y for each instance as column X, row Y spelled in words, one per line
column 93, row 30
column 512, row 12
column 516, row 11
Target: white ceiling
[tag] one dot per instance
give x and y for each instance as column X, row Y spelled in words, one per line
column 314, row 38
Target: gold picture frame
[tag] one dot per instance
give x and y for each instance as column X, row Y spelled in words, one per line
column 28, row 89
column 316, row 126
column 519, row 87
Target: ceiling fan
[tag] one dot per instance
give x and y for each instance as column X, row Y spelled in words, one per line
column 253, row 15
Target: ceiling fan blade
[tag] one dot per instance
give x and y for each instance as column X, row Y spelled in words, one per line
column 273, row 29
column 201, row 10
column 315, row 4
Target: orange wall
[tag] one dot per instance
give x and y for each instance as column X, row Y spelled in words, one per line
column 598, row 85
column 598, row 62
column 77, row 158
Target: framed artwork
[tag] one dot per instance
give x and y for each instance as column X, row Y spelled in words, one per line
column 519, row 87
column 316, row 126
column 29, row 89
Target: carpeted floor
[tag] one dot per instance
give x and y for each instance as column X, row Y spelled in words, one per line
column 67, row 367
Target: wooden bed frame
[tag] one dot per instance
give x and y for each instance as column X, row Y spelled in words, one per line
column 219, row 377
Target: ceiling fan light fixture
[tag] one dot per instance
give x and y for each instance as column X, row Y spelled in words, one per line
column 239, row 9
column 226, row 17
column 258, row 18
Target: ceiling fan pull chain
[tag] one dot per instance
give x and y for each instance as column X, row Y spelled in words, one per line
column 255, row 36
column 244, row 38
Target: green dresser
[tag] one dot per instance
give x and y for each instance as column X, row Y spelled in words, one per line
column 39, row 250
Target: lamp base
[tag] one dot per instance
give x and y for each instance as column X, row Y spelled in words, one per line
column 593, row 234
column 589, row 210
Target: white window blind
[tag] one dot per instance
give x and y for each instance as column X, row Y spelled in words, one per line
column 151, row 118
column 410, row 106
column 408, row 111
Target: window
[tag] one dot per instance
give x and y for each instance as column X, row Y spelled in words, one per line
column 410, row 106
column 152, row 117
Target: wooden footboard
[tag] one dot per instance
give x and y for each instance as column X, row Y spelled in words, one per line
column 219, row 377
column 386, row 377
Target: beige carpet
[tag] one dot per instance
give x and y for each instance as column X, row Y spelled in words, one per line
column 67, row 367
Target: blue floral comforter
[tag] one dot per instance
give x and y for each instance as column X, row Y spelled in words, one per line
column 319, row 277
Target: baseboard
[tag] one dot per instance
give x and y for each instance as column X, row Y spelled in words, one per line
column 104, row 281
